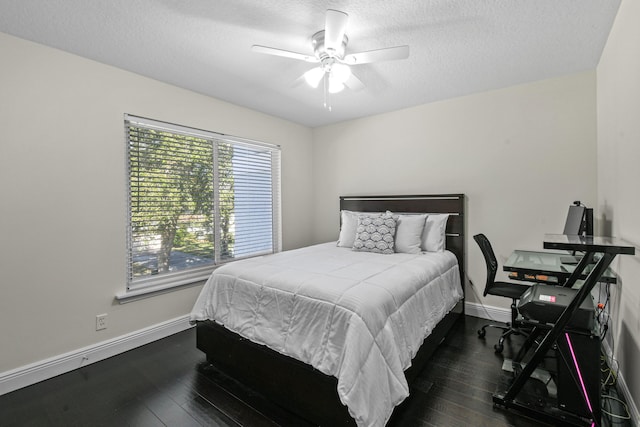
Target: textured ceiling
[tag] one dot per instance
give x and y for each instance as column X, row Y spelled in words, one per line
column 457, row 47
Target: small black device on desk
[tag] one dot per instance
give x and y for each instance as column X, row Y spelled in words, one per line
column 579, row 220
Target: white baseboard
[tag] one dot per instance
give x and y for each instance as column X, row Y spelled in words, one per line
column 496, row 314
column 49, row 368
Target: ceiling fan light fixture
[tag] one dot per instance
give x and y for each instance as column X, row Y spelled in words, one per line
column 314, row 76
column 340, row 72
column 335, row 86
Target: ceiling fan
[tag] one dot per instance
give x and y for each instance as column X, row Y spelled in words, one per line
column 329, row 50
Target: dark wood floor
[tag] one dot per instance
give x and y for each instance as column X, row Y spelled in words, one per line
column 168, row 383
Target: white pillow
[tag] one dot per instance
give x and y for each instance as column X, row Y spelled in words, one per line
column 409, row 233
column 433, row 236
column 349, row 223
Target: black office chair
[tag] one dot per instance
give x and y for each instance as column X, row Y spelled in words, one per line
column 501, row 289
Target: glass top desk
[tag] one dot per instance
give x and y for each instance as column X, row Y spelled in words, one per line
column 548, row 267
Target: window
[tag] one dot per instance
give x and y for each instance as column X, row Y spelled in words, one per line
column 196, row 199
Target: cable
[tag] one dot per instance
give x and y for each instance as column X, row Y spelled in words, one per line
column 473, row 289
column 609, row 381
column 602, row 310
column 612, row 415
column 611, row 376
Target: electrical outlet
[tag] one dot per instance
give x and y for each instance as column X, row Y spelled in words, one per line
column 101, row 322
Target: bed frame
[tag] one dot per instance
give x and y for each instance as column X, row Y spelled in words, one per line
column 298, row 387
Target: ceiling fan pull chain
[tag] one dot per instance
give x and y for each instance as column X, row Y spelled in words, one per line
column 327, row 101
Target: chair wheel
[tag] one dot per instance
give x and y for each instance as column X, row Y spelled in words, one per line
column 481, row 333
column 498, row 348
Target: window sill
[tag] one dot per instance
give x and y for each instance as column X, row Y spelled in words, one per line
column 151, row 291
column 152, row 286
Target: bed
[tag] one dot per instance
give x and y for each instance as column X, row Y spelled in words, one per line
column 318, row 328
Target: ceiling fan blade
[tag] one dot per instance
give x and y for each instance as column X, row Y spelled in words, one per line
column 284, row 53
column 334, row 29
column 354, row 83
column 386, row 54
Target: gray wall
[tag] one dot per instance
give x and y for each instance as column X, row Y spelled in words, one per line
column 520, row 154
column 62, row 195
column 618, row 178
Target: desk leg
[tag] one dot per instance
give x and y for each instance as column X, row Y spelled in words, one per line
column 526, row 346
column 577, row 272
column 556, row 331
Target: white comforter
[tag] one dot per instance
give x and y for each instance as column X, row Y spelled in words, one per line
column 358, row 316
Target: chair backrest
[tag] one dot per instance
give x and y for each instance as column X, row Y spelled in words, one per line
column 489, row 258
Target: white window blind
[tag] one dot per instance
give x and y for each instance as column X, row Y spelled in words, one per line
column 196, row 199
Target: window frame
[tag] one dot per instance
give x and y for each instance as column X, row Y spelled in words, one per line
column 194, row 275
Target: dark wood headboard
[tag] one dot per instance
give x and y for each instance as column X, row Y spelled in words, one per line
column 453, row 204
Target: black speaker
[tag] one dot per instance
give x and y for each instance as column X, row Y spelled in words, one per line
column 586, row 228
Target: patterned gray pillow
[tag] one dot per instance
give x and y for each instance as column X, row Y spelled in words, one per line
column 375, row 234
